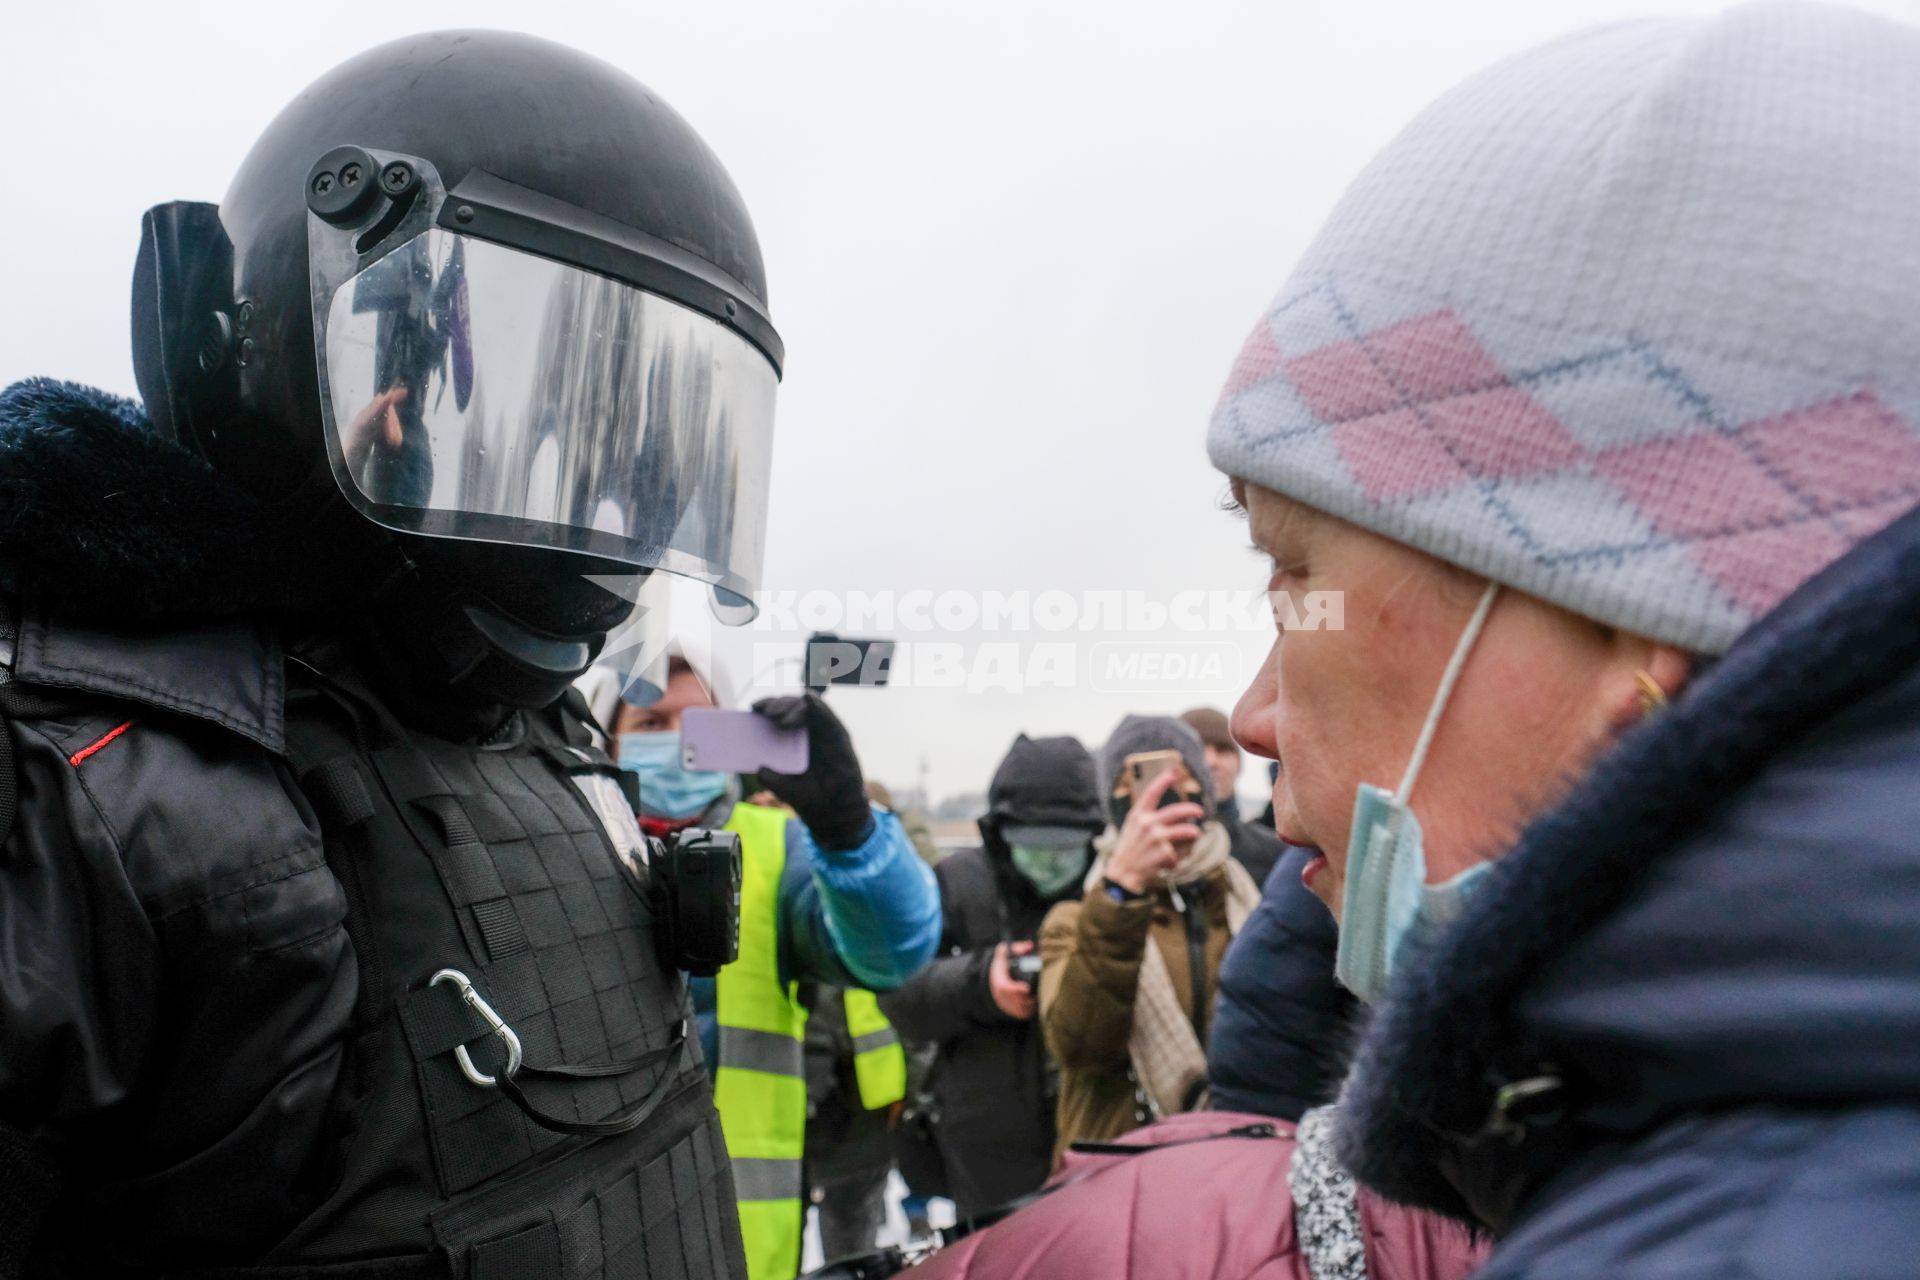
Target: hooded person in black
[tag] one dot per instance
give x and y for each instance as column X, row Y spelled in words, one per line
column 991, row 1082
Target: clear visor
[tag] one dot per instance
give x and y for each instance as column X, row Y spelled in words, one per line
column 671, row 620
column 474, row 391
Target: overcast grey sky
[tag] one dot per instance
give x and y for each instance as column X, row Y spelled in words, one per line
column 1012, row 248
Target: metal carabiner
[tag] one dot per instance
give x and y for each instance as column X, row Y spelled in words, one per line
column 494, row 1023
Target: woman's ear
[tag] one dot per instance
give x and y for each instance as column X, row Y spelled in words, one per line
column 1646, row 667
column 1669, row 668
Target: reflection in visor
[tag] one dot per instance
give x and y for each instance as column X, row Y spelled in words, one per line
column 479, row 392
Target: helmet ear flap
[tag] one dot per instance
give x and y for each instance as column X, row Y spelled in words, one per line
column 184, row 327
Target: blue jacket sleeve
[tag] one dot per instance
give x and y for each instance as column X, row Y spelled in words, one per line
column 864, row 917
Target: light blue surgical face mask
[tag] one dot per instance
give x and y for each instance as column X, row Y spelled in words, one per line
column 668, row 789
column 1386, row 894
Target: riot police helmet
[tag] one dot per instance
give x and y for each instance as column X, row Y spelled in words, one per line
column 498, row 300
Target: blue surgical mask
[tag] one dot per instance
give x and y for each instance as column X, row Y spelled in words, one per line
column 1386, row 897
column 668, row 789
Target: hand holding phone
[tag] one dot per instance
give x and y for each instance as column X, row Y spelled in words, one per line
column 1144, row 766
column 1161, row 822
column 739, row 742
column 830, row 794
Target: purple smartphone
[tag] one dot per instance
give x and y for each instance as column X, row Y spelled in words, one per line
column 739, row 742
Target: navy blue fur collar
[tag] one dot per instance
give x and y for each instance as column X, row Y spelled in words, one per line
column 105, row 520
column 1447, row 1036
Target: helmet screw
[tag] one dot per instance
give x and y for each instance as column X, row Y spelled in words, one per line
column 397, row 178
column 343, row 185
column 463, row 214
column 732, row 309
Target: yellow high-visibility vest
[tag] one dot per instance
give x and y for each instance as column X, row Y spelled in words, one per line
column 879, row 1062
column 759, row 1083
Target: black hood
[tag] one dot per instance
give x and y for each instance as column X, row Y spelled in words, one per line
column 1726, row 913
column 1047, row 782
column 104, row 520
column 1042, row 782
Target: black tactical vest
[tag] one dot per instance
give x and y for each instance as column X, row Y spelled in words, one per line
column 491, row 862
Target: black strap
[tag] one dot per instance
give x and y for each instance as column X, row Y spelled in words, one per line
column 428, row 1266
column 339, row 793
column 601, row 1070
column 500, row 929
column 324, row 729
column 625, row 1122
column 1194, row 914
column 980, row 1221
column 1261, row 1130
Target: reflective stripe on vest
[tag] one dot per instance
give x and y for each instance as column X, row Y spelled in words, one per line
column 760, row 1083
column 879, row 1063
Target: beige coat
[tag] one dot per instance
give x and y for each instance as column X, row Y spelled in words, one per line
column 1091, row 952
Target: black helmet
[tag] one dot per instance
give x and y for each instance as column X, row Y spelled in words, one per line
column 492, row 295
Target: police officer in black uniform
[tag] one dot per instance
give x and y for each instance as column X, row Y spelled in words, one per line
column 328, row 945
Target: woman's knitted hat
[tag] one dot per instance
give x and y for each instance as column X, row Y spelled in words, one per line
column 1136, row 734
column 1630, row 322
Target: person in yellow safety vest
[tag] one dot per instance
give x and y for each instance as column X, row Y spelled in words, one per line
column 879, row 1060
column 831, row 893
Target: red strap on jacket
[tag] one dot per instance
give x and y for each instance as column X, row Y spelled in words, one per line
column 84, row 752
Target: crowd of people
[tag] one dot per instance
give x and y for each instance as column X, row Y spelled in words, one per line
column 1073, row 993
column 1109, row 1025
column 349, row 929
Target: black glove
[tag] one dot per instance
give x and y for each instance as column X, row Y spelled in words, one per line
column 831, row 796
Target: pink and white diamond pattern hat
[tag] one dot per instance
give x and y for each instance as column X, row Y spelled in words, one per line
column 1630, row 322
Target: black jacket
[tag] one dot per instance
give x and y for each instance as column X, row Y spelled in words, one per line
column 217, row 1058
column 175, row 979
column 991, row 1076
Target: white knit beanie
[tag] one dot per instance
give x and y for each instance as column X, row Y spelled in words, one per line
column 1630, row 322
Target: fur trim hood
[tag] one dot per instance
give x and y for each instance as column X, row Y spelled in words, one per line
column 104, row 519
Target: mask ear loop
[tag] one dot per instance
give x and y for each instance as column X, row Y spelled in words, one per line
column 1441, row 698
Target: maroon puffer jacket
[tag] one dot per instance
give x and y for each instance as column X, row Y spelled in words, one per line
column 1213, row 1203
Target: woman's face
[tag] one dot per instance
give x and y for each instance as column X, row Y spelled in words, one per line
column 1542, row 691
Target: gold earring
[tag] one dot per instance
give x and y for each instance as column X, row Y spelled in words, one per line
column 1652, row 696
